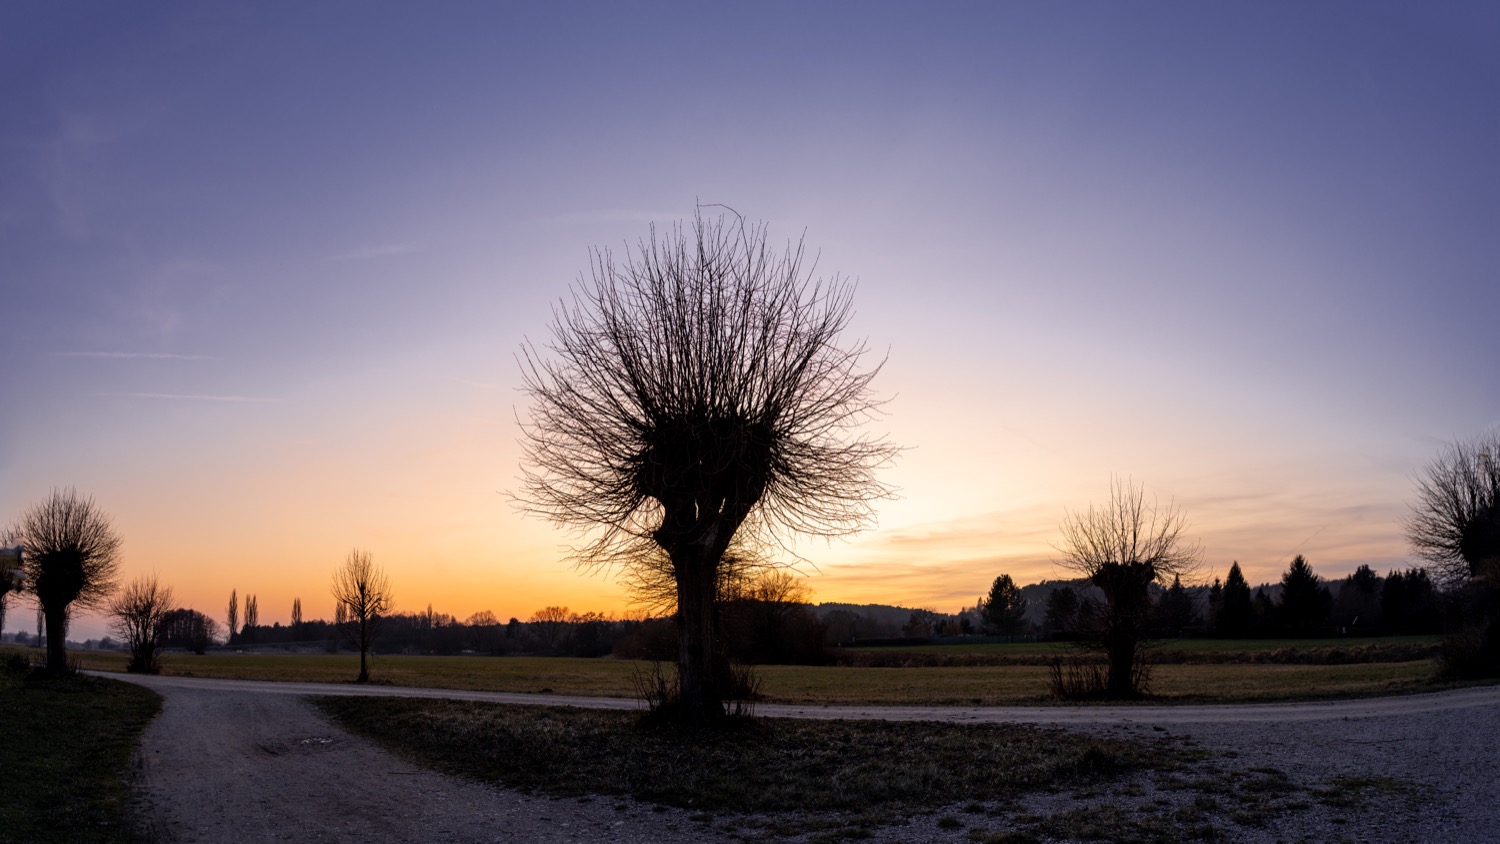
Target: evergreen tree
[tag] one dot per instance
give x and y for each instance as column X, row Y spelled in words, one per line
column 1215, row 605
column 1237, row 614
column 1263, row 613
column 1408, row 603
column 1305, row 601
column 1004, row 609
column 1062, row 611
column 1356, row 608
column 1176, row 612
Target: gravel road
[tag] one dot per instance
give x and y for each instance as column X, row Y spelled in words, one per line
column 252, row 761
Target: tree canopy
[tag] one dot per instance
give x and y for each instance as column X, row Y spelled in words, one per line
column 692, row 395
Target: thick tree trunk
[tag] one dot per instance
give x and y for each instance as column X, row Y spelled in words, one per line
column 1121, row 682
column 698, row 671
column 57, row 638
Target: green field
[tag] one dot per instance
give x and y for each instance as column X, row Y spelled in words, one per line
column 985, row 685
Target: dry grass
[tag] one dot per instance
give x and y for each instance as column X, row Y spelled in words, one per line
column 940, row 686
column 744, row 765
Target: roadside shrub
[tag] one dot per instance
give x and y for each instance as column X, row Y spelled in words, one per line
column 1081, row 678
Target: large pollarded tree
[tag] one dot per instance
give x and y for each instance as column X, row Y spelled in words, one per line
column 1123, row 547
column 71, row 558
column 1455, row 526
column 1455, row 522
column 693, row 393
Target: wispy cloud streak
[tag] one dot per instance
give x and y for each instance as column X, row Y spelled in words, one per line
column 193, row 397
column 133, row 355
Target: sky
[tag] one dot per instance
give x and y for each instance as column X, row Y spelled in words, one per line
column 265, row 269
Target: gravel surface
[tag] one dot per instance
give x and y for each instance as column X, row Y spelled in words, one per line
column 248, row 761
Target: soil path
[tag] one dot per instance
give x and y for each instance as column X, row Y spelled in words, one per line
column 1326, row 710
column 232, row 760
column 225, row 764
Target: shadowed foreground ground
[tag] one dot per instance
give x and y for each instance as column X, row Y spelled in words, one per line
column 254, row 762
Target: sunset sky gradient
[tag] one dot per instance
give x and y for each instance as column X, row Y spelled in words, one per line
column 265, row 268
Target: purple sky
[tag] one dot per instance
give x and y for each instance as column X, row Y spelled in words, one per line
column 265, row 267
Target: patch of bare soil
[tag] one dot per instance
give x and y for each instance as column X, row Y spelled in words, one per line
column 247, row 767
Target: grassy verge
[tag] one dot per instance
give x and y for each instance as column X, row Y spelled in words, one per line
column 984, row 685
column 755, row 765
column 840, row 780
column 67, row 743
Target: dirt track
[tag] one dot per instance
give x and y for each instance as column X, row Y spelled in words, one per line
column 252, row 761
column 228, row 765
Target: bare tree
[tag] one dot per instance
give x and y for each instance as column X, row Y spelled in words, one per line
column 551, row 626
column 1122, row 548
column 1455, row 526
column 70, row 558
column 296, row 613
column 1455, row 522
column 140, row 614
column 696, row 393
column 188, row 628
column 233, row 615
column 249, row 632
column 362, row 597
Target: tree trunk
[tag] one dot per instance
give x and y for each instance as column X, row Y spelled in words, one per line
column 1121, row 683
column 57, row 638
column 364, row 648
column 698, row 672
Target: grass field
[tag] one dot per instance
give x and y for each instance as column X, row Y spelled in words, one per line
column 990, row 685
column 1206, row 646
column 67, row 743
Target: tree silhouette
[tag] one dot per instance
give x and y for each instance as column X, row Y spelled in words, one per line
column 1122, row 548
column 232, row 615
column 1062, row 610
column 1236, row 608
column 1004, row 608
column 362, row 596
column 252, row 619
column 1455, row 522
column 693, row 394
column 1305, row 601
column 141, row 612
column 70, row 557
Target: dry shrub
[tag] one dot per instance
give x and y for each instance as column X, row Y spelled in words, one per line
column 1081, row 678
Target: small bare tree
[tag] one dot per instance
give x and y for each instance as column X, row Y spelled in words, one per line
column 140, row 614
column 1455, row 522
column 696, row 393
column 362, row 597
column 1122, row 548
column 70, row 557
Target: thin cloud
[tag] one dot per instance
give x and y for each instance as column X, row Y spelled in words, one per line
column 383, row 250
column 616, row 215
column 134, row 355
column 193, row 397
